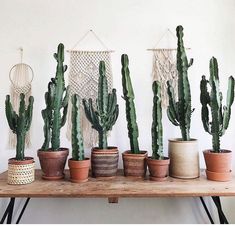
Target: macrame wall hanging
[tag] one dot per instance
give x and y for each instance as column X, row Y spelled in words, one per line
column 83, row 80
column 21, row 77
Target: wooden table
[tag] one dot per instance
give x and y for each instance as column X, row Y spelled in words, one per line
column 118, row 187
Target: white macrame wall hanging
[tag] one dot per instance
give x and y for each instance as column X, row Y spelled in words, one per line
column 83, row 80
column 21, row 77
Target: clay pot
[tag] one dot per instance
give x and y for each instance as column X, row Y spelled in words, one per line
column 158, row 169
column 53, row 163
column 184, row 158
column 21, row 172
column 104, row 162
column 218, row 165
column 79, row 170
column 135, row 164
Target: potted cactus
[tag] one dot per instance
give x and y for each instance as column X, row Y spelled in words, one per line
column 20, row 168
column 183, row 152
column 218, row 161
column 134, row 160
column 78, row 164
column 158, row 164
column 104, row 158
column 53, row 158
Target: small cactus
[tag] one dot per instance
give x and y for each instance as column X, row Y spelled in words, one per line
column 128, row 96
column 106, row 113
column 19, row 123
column 220, row 115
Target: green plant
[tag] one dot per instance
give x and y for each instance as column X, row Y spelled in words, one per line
column 220, row 115
column 19, row 123
column 106, row 113
column 128, row 96
column 56, row 99
column 179, row 113
column 77, row 139
column 157, row 143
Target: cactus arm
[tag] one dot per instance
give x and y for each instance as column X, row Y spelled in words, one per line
column 29, row 113
column 46, row 129
column 10, row 114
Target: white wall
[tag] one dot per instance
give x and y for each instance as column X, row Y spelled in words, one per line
column 127, row 26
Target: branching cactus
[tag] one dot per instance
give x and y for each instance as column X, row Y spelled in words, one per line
column 104, row 116
column 128, row 95
column 77, row 139
column 157, row 142
column 179, row 112
column 56, row 99
column 220, row 116
column 19, row 123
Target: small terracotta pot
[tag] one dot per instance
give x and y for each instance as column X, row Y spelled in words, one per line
column 218, row 165
column 53, row 163
column 158, row 169
column 104, row 162
column 21, row 172
column 79, row 170
column 135, row 164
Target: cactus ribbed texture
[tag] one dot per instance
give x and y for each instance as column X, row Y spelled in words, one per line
column 179, row 113
column 19, row 123
column 157, row 142
column 220, row 115
column 56, row 99
column 128, row 96
column 106, row 113
column 77, row 139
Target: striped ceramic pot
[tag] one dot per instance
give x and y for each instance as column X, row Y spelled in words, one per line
column 104, row 162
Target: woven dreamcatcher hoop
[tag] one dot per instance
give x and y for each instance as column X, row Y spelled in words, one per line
column 83, row 80
column 21, row 76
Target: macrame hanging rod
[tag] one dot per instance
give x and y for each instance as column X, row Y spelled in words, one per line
column 97, row 38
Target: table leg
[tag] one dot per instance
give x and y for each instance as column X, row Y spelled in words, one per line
column 222, row 217
column 207, row 211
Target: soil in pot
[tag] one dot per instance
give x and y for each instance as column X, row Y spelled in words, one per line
column 135, row 165
column 53, row 163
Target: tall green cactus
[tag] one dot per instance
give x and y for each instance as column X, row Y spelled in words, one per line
column 56, row 99
column 106, row 113
column 220, row 115
column 157, row 142
column 128, row 95
column 77, row 139
column 179, row 113
column 19, row 123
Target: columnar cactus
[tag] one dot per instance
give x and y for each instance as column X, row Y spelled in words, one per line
column 56, row 99
column 19, row 123
column 128, row 96
column 179, row 113
column 157, row 143
column 220, row 115
column 77, row 139
column 106, row 113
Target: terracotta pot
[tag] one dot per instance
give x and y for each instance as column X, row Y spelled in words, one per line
column 79, row 170
column 134, row 164
column 184, row 158
column 21, row 172
column 218, row 165
column 53, row 163
column 104, row 162
column 158, row 169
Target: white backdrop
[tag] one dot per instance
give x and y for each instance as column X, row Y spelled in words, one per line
column 126, row 26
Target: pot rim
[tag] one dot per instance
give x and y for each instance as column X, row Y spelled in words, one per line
column 179, row 140
column 86, row 159
column 61, row 149
column 128, row 152
column 108, row 148
column 210, row 152
column 27, row 160
column 165, row 158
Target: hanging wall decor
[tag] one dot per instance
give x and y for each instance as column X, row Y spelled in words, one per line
column 21, row 77
column 83, row 80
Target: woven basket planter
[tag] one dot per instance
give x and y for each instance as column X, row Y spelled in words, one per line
column 21, row 172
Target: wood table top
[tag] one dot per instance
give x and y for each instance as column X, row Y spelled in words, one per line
column 119, row 186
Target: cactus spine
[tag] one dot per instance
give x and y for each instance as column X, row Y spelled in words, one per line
column 106, row 113
column 179, row 113
column 77, row 139
column 19, row 123
column 56, row 99
column 220, row 115
column 128, row 95
column 157, row 143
